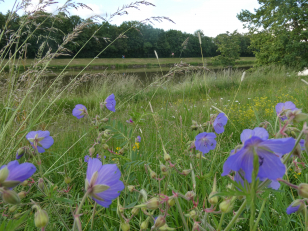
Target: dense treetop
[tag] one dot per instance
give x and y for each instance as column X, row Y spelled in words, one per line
column 139, row 40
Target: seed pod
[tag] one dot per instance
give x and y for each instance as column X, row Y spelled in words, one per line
column 41, row 218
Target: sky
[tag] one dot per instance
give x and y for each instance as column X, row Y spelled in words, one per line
column 213, row 17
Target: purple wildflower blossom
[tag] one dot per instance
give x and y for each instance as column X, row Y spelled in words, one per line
column 280, row 107
column 268, row 151
column 79, row 111
column 138, row 139
column 205, row 142
column 86, row 158
column 295, row 206
column 20, row 153
column 40, row 140
column 110, row 103
column 302, row 144
column 130, row 121
column 104, row 180
column 219, row 123
column 17, row 173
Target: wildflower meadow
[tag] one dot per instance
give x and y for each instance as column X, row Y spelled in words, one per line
column 191, row 150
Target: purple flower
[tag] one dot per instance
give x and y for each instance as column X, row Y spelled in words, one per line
column 17, row 173
column 130, row 121
column 219, row 123
column 280, row 107
column 40, row 140
column 86, row 158
column 302, row 144
column 295, row 206
column 79, row 111
column 138, row 139
column 110, row 103
column 268, row 151
column 205, row 142
column 103, row 182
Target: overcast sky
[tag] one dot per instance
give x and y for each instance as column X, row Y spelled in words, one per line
column 212, row 16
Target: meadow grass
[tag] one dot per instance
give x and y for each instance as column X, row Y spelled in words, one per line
column 163, row 110
column 174, row 104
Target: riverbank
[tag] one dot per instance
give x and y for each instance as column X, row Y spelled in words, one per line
column 130, row 63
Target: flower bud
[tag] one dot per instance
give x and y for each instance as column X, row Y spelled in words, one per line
column 160, row 221
column 297, row 151
column 10, row 197
column 190, row 195
column 105, row 120
column 153, row 174
column 153, row 203
column 22, row 194
column 145, row 224
column 125, row 226
column 20, row 152
column 192, row 214
column 303, row 190
column 41, row 218
column 121, row 151
column 105, row 146
column 17, row 215
column 165, row 227
column 120, row 208
column 171, row 202
column 41, row 185
column 227, row 205
column 135, row 211
column 25, row 183
column 13, row 208
column 67, row 180
column 4, row 173
column 164, row 169
column 131, row 188
column 167, row 157
column 103, row 141
column 91, row 151
column 186, row 172
column 213, row 200
column 198, row 155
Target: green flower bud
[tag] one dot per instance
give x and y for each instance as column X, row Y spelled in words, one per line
column 91, row 151
column 41, row 185
column 165, row 227
column 192, row 214
column 10, row 197
column 160, row 221
column 105, row 146
column 153, row 174
column 41, row 218
column 120, row 208
column 186, row 172
column 171, row 202
column 145, row 224
column 121, row 151
column 13, row 208
column 131, row 188
column 67, row 180
column 17, row 215
column 190, row 195
column 227, row 205
column 125, row 226
column 303, row 190
column 213, row 200
column 22, row 194
column 152, row 204
column 167, row 157
column 105, row 120
column 4, row 173
column 25, row 183
column 135, row 211
column 164, row 169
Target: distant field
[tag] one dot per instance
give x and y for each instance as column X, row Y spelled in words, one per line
column 130, row 61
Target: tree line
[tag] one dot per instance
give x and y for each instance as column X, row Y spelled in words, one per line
column 139, row 40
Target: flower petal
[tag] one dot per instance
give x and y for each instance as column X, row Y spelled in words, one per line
column 47, row 142
column 279, row 146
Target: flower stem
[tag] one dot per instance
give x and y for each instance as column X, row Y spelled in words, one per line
column 238, row 213
column 181, row 213
column 220, row 222
column 259, row 216
column 93, row 214
column 79, row 207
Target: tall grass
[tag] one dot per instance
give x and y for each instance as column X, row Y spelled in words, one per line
column 162, row 110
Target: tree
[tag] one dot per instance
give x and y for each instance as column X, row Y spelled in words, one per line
column 229, row 48
column 279, row 31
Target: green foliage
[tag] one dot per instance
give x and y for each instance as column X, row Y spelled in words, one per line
column 229, row 48
column 279, row 32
